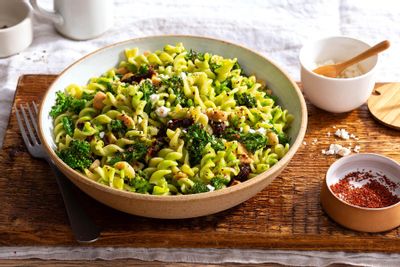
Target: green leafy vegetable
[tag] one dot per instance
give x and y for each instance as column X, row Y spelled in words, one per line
column 147, row 89
column 219, row 182
column 68, row 125
column 214, row 66
column 252, row 141
column 283, row 138
column 224, row 86
column 135, row 152
column 246, row 99
column 77, row 155
column 118, row 126
column 140, row 183
column 64, row 103
column 196, row 140
column 193, row 55
column 175, row 84
column 144, row 69
column 198, row 187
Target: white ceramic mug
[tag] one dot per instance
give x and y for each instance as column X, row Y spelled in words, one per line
column 79, row 19
column 15, row 27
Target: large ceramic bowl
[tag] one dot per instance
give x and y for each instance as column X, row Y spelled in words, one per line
column 183, row 206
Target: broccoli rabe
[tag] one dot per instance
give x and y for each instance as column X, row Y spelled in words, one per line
column 68, row 125
column 193, row 55
column 252, row 141
column 64, row 103
column 140, row 184
column 224, row 86
column 134, row 152
column 219, row 182
column 198, row 187
column 118, row 126
column 283, row 138
column 175, row 84
column 246, row 100
column 147, row 89
column 196, row 140
column 214, row 66
column 77, row 155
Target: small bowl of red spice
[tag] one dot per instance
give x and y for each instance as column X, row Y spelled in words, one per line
column 362, row 192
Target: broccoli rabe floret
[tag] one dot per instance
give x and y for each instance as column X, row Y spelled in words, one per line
column 196, row 140
column 134, row 152
column 283, row 138
column 68, row 125
column 77, row 155
column 175, row 84
column 147, row 89
column 252, row 141
column 219, row 182
column 193, row 55
column 117, row 126
column 141, row 184
column 246, row 100
column 137, row 151
column 198, row 187
column 64, row 103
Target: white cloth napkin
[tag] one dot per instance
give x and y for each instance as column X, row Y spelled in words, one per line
column 274, row 28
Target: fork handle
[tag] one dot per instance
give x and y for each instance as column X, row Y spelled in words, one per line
column 83, row 228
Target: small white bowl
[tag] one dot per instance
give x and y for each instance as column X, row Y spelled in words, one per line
column 336, row 95
column 16, row 32
column 356, row 217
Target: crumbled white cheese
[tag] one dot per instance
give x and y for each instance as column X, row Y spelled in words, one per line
column 251, row 130
column 342, row 133
column 154, row 98
column 210, row 187
column 357, row 149
column 162, row 111
column 261, row 130
column 183, row 76
column 101, row 134
column 336, row 149
column 241, row 129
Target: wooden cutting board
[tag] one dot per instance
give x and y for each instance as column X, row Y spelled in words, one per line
column 285, row 215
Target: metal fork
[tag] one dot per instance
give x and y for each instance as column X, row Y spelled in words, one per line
column 84, row 230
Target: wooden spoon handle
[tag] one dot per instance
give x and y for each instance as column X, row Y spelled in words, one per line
column 366, row 54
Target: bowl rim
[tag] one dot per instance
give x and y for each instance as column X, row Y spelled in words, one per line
column 314, row 41
column 27, row 16
column 346, row 159
column 177, row 198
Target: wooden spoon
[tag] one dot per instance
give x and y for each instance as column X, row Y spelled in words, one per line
column 334, row 70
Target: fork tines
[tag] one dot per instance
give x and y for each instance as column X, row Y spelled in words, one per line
column 29, row 121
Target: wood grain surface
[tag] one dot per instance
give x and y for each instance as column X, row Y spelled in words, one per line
column 285, row 215
column 384, row 104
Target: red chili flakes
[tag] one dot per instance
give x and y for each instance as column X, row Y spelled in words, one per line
column 375, row 193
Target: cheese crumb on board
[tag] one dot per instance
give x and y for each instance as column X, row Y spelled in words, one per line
column 336, row 149
column 342, row 133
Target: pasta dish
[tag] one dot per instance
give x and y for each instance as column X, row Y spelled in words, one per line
column 170, row 122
